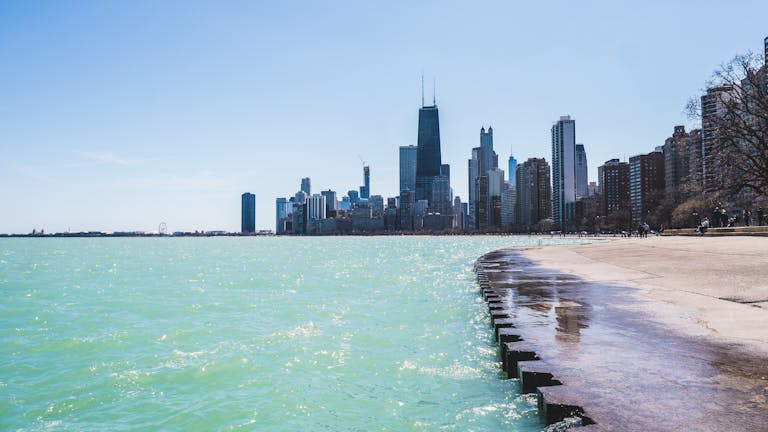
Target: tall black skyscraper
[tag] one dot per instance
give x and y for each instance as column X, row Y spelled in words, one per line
column 428, row 159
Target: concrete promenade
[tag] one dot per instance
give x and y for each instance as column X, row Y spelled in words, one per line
column 661, row 333
column 716, row 286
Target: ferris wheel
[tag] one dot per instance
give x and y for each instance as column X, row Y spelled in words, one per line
column 162, row 229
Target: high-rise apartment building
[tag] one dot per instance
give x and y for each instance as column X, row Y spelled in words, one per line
column 248, row 213
column 582, row 183
column 646, row 185
column 534, row 192
column 563, row 170
column 682, row 164
column 408, row 168
column 713, row 107
column 614, row 184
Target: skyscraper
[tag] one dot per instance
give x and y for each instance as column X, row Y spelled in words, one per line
column 365, row 189
column 331, row 201
column 305, row 186
column 408, row 168
column 484, row 161
column 248, row 213
column 281, row 214
column 582, row 183
column 428, row 159
column 563, row 170
column 512, row 164
column 316, row 207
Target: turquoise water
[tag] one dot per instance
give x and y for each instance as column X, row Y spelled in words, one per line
column 284, row 334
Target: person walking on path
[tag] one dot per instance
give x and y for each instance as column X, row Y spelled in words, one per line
column 747, row 217
column 760, row 216
column 716, row 216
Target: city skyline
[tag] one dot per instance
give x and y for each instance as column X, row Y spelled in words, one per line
column 119, row 131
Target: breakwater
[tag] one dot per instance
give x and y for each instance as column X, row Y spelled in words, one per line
column 519, row 357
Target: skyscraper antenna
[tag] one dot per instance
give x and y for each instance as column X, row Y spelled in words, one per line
column 434, row 98
column 422, row 89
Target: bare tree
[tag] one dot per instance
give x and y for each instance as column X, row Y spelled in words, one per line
column 734, row 116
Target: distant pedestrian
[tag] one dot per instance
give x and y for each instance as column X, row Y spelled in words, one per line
column 646, row 229
column 760, row 216
column 723, row 217
column 703, row 226
column 747, row 217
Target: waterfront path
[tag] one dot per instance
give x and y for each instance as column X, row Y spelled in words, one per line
column 719, row 284
column 659, row 334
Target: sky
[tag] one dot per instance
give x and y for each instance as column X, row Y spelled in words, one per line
column 120, row 115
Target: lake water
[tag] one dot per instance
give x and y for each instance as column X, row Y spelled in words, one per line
column 242, row 334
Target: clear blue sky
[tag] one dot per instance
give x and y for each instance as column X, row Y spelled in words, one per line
column 118, row 115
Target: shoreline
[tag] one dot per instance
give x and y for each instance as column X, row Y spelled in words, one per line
column 622, row 336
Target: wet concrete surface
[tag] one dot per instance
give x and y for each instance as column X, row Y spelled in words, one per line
column 603, row 357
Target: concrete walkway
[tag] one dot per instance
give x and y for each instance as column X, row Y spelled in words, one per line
column 662, row 334
column 712, row 286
